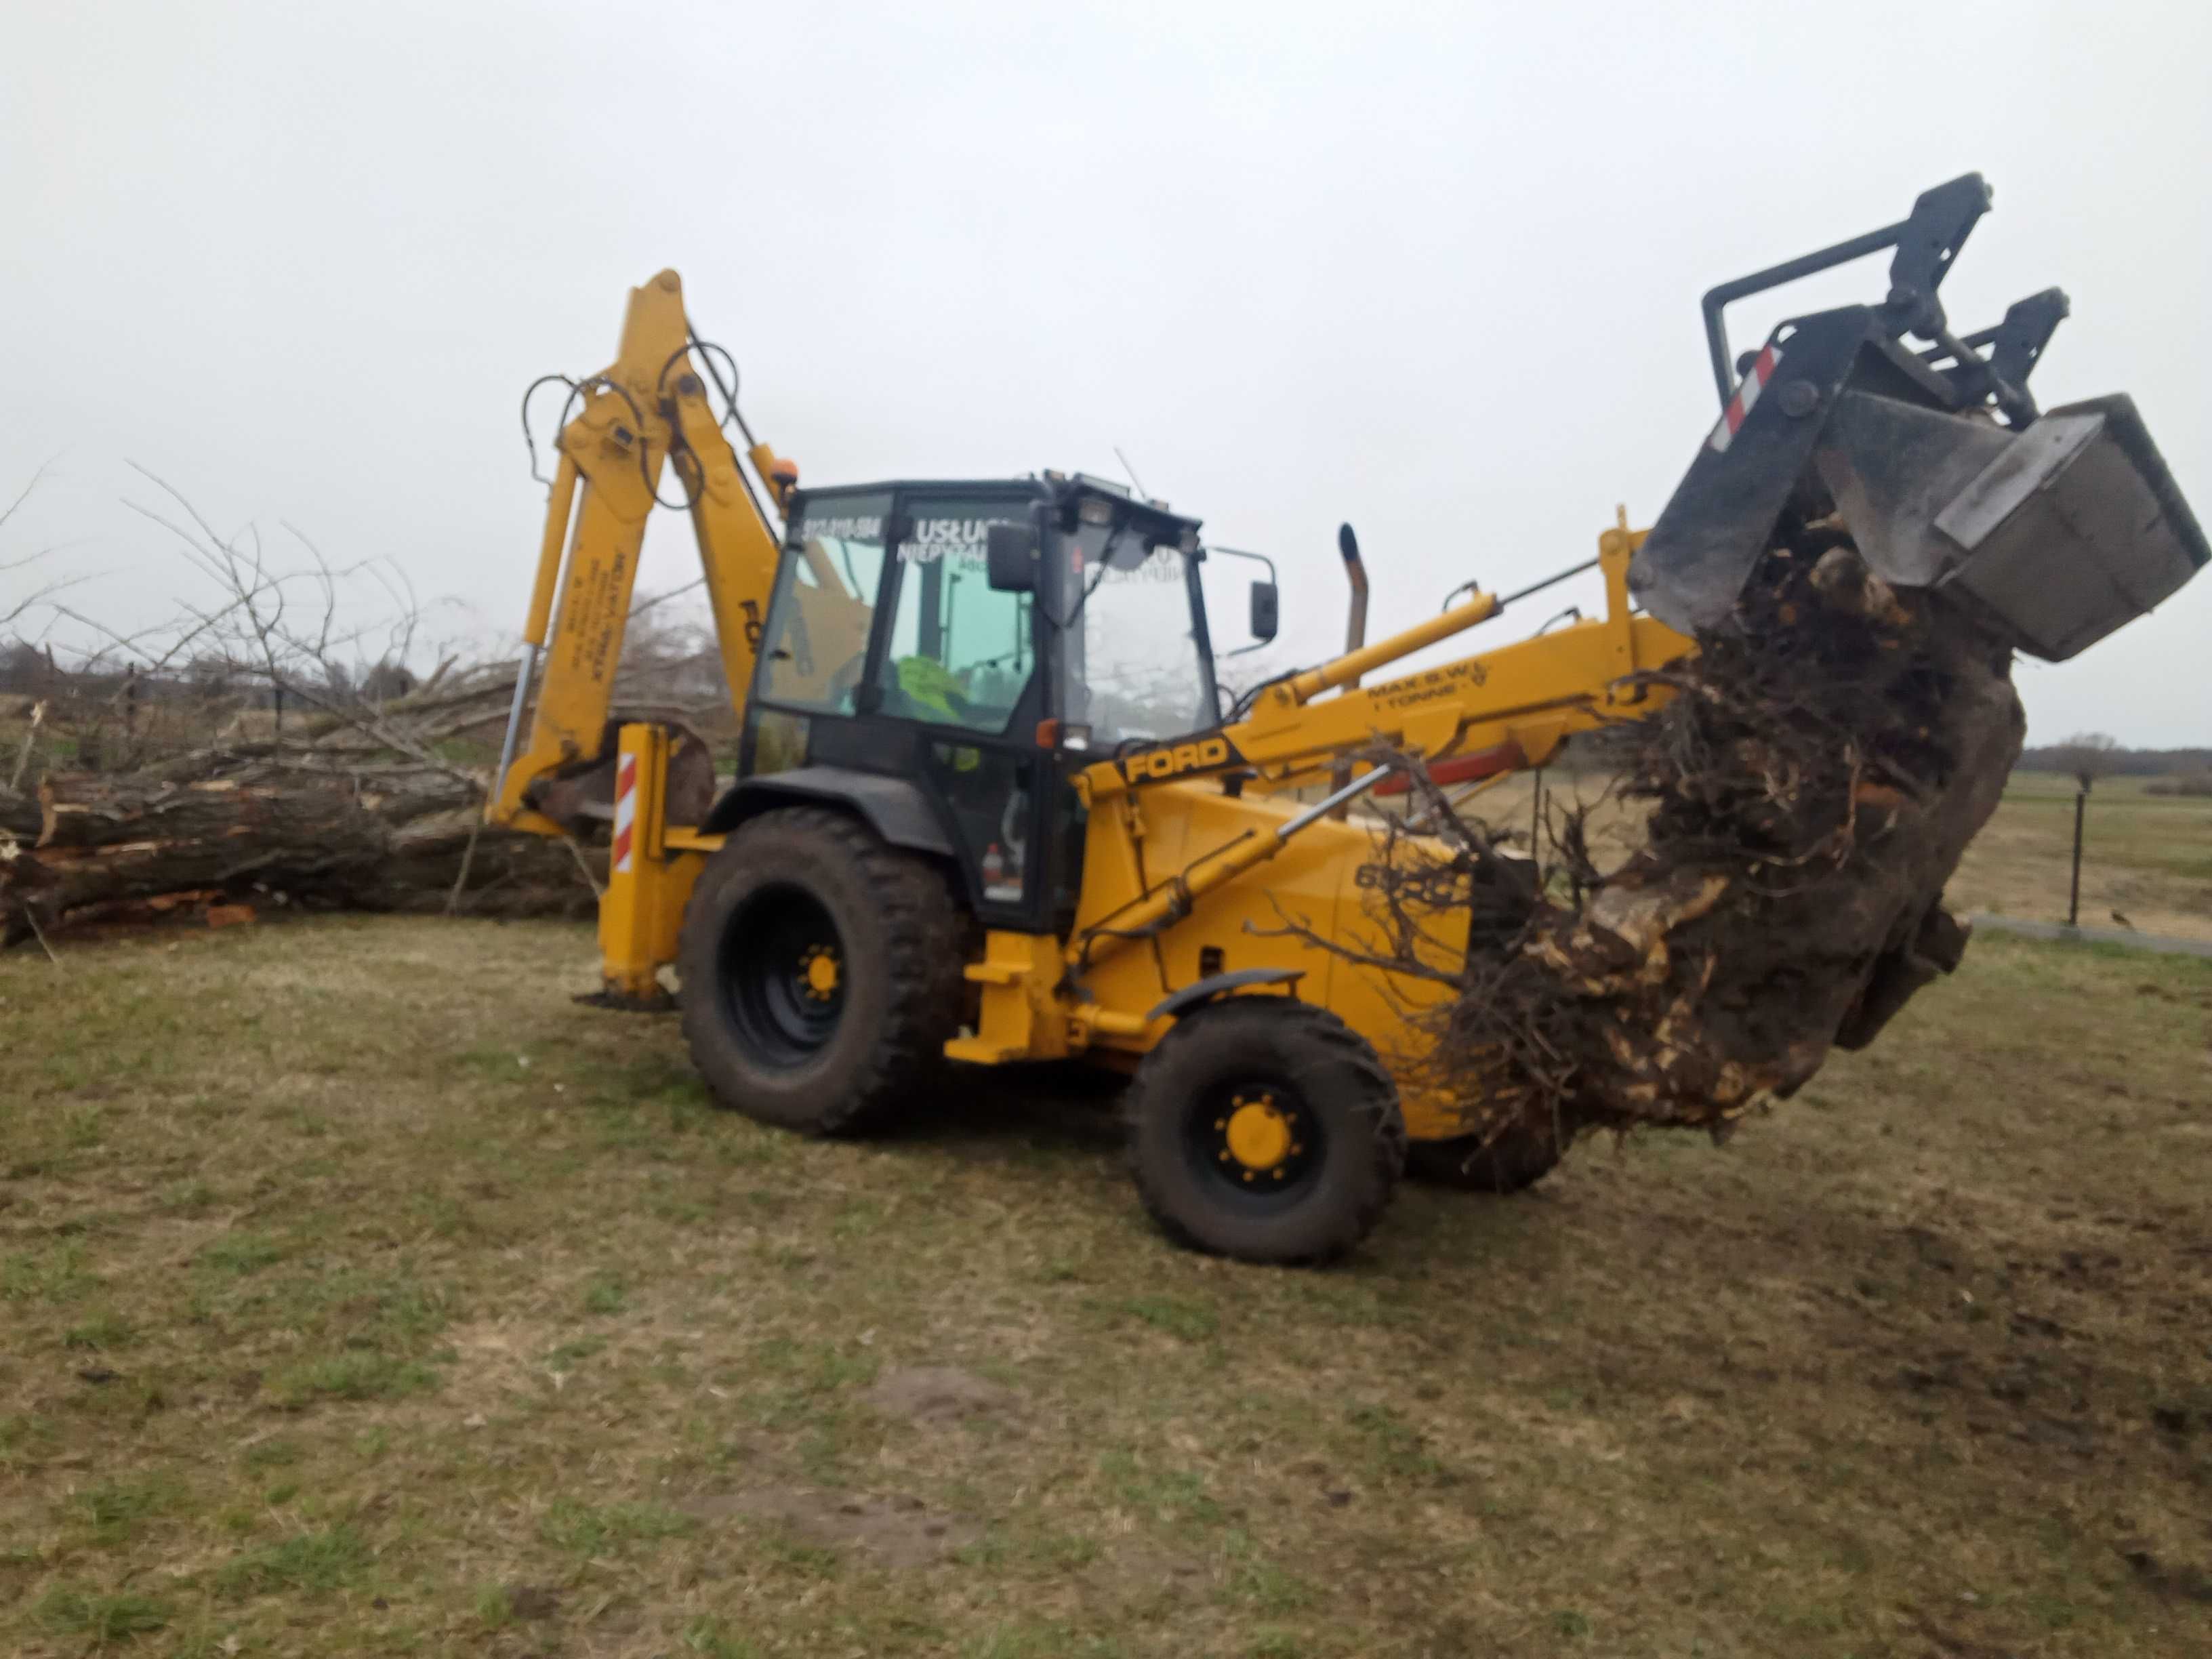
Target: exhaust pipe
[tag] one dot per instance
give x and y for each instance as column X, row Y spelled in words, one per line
column 1355, row 636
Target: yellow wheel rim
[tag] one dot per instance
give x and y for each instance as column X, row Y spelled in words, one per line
column 1259, row 1135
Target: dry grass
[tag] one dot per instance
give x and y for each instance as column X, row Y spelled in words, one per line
column 365, row 1297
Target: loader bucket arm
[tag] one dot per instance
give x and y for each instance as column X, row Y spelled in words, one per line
column 2058, row 527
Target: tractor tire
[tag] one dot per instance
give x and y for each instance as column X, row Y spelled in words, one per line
column 1513, row 1163
column 822, row 973
column 1317, row 1142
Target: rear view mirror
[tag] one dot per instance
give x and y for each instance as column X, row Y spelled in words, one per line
column 1266, row 611
column 1010, row 555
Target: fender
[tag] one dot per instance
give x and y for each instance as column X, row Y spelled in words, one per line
column 895, row 808
column 1193, row 997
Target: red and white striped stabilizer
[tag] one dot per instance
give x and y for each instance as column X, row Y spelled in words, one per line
column 625, row 849
column 1754, row 382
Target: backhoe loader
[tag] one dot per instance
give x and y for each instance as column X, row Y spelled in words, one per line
column 993, row 806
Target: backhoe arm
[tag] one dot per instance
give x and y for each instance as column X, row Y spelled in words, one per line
column 650, row 404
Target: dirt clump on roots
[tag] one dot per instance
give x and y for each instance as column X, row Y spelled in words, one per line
column 1811, row 782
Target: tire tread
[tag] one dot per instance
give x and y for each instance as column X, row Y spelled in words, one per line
column 1376, row 1110
column 923, row 961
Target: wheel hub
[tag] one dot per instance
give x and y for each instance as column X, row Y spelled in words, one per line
column 820, row 973
column 1261, row 1136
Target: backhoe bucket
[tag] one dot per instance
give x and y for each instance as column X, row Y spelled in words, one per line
column 2061, row 530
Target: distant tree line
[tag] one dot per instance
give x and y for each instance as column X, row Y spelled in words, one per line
column 2117, row 761
column 32, row 670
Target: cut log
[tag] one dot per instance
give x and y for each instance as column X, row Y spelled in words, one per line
column 84, row 812
column 392, row 840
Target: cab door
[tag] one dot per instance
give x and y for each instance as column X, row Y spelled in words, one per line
column 957, row 684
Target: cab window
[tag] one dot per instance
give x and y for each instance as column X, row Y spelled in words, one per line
column 817, row 640
column 1136, row 669
column 960, row 653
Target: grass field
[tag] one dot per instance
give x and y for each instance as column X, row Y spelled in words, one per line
column 363, row 1296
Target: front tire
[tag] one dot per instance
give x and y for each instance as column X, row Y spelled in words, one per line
column 1267, row 1130
column 821, row 972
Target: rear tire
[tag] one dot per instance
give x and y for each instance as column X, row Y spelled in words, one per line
column 822, row 973
column 1320, row 1146
column 1512, row 1163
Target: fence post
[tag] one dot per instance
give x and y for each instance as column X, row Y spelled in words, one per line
column 2073, row 899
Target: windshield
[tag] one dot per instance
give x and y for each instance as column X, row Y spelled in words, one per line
column 1136, row 670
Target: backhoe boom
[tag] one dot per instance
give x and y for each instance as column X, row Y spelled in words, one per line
column 649, row 405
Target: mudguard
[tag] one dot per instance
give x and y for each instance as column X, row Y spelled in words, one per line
column 894, row 808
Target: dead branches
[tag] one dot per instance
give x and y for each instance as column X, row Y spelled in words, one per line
column 270, row 743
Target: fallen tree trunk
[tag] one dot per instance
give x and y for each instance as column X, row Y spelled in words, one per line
column 394, row 840
column 87, row 812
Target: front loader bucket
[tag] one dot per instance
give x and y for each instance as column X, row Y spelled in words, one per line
column 2060, row 526
column 2064, row 532
column 2062, row 529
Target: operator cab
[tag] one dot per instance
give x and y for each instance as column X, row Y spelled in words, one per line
column 980, row 641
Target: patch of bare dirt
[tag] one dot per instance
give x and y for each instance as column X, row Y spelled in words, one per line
column 894, row 1532
column 932, row 1394
column 532, row 1600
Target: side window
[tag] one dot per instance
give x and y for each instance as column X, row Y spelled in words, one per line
column 816, row 643
column 960, row 652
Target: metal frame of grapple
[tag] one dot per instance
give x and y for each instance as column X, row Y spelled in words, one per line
column 1928, row 241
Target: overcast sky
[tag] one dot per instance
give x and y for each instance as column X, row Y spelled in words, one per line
column 1434, row 270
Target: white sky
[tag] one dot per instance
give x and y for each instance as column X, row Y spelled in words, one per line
column 1431, row 269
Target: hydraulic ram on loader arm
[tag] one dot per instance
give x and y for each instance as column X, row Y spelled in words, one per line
column 1503, row 710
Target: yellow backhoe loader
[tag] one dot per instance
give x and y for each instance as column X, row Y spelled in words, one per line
column 992, row 805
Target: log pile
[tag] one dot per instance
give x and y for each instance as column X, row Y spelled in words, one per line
column 345, row 816
column 269, row 743
column 1810, row 788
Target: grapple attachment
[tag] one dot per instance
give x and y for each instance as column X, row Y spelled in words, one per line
column 2062, row 526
